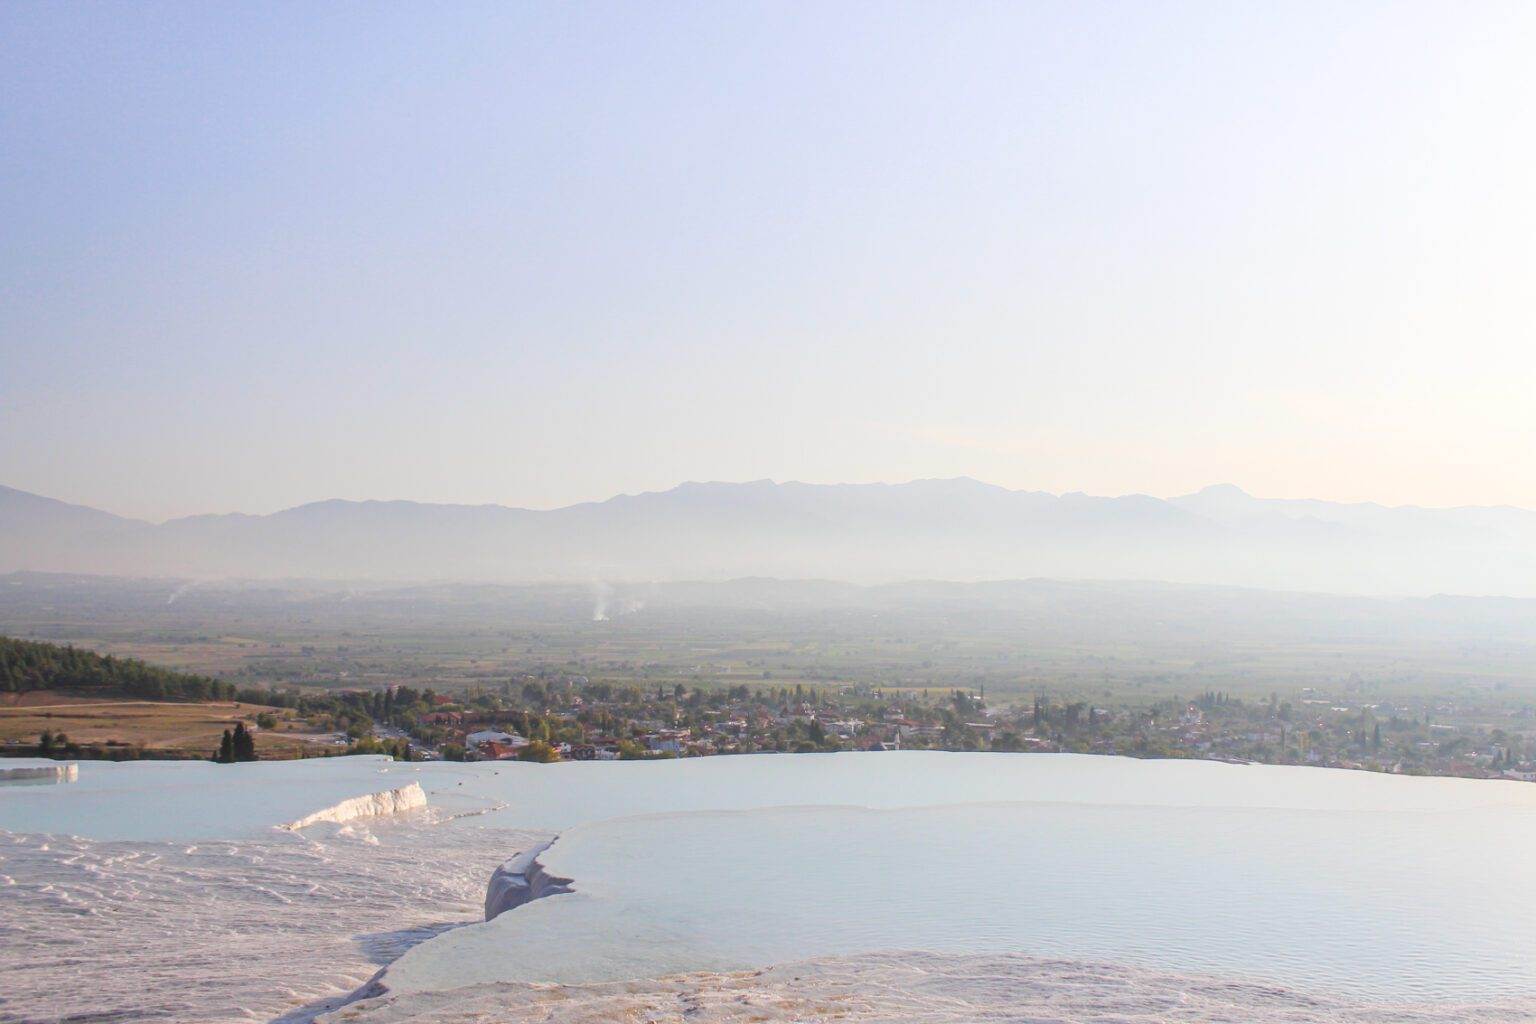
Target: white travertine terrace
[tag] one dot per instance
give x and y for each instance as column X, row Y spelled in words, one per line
column 47, row 773
column 390, row 801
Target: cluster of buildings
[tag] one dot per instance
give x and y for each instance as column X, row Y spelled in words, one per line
column 1468, row 738
column 574, row 721
column 578, row 720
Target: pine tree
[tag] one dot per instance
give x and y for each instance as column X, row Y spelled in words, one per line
column 226, row 754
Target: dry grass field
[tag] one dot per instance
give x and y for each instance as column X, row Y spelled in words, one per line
column 191, row 727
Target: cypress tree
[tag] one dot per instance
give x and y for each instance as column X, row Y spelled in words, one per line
column 243, row 743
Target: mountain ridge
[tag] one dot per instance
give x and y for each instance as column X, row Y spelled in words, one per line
column 957, row 528
column 685, row 485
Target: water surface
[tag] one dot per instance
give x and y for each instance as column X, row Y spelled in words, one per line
column 1326, row 884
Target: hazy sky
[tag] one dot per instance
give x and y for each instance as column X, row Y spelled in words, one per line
column 255, row 255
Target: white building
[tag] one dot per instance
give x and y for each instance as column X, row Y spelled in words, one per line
column 511, row 739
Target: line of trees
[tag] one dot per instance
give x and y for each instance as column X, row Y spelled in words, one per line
column 60, row 747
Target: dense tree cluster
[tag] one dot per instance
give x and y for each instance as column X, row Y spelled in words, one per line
column 238, row 745
column 25, row 665
column 398, row 749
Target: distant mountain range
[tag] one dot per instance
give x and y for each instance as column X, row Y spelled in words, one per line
column 929, row 529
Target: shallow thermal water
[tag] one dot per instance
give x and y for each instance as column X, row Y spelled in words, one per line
column 1377, row 904
column 191, row 799
column 929, row 887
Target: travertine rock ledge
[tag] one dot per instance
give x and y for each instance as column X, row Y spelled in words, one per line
column 521, row 880
column 41, row 773
column 391, row 801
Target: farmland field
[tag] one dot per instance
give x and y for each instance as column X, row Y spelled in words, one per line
column 192, row 727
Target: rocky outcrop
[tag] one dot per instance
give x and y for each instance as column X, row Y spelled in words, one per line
column 521, row 880
column 391, row 801
column 41, row 773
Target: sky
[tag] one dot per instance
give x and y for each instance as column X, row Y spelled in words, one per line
column 533, row 254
